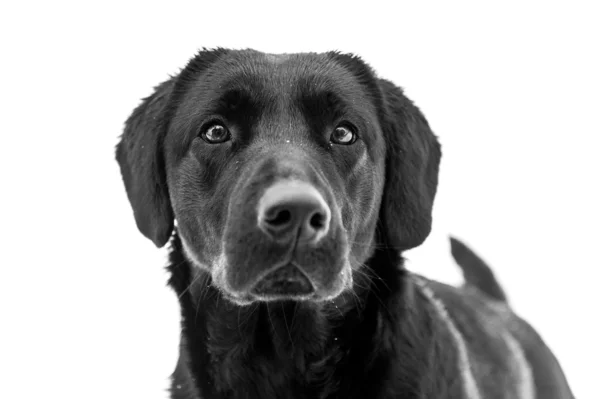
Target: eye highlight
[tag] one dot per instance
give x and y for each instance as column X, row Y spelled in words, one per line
column 215, row 133
column 343, row 135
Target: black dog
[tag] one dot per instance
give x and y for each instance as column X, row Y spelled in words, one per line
column 296, row 181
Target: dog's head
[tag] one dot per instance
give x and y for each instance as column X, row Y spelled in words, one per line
column 282, row 172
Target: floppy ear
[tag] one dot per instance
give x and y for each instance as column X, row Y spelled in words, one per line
column 412, row 161
column 140, row 157
column 140, row 151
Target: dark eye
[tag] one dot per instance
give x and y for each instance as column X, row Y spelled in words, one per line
column 343, row 135
column 215, row 134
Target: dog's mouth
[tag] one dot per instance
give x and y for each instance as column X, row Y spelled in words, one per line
column 285, row 282
column 288, row 282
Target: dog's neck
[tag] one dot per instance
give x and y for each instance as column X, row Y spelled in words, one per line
column 344, row 348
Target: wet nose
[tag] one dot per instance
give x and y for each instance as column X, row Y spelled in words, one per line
column 290, row 209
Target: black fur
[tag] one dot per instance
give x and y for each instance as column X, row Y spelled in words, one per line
column 370, row 330
column 385, row 342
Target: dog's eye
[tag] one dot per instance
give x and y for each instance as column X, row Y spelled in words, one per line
column 343, row 135
column 215, row 134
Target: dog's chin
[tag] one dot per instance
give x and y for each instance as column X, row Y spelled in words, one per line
column 343, row 281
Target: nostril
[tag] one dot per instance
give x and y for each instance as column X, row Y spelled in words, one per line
column 317, row 221
column 278, row 217
column 292, row 209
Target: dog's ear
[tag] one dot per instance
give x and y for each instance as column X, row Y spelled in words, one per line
column 140, row 151
column 140, row 157
column 412, row 161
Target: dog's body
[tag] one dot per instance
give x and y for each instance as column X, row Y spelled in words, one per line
column 296, row 182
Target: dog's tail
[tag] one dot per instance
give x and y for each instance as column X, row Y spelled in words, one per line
column 476, row 272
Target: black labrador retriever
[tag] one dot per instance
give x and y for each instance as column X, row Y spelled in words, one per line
column 289, row 186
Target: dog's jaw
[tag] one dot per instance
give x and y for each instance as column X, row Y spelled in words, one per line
column 218, row 273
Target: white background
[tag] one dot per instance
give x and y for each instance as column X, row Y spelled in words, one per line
column 511, row 90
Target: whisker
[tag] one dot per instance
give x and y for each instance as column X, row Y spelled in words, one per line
column 375, row 245
column 371, row 276
column 337, row 308
column 356, row 299
column 253, row 310
column 294, row 316
column 238, row 323
column 271, row 320
column 190, row 285
column 204, row 293
column 286, row 327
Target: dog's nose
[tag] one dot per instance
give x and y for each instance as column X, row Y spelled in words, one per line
column 291, row 209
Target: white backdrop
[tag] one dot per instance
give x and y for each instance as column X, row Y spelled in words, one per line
column 511, row 90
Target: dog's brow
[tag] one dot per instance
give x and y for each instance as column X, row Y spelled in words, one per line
column 235, row 104
column 324, row 101
column 232, row 99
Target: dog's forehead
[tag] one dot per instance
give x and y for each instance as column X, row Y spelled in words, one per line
column 277, row 58
column 282, row 74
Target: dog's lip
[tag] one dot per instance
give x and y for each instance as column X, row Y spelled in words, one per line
column 249, row 296
column 308, row 284
column 243, row 296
